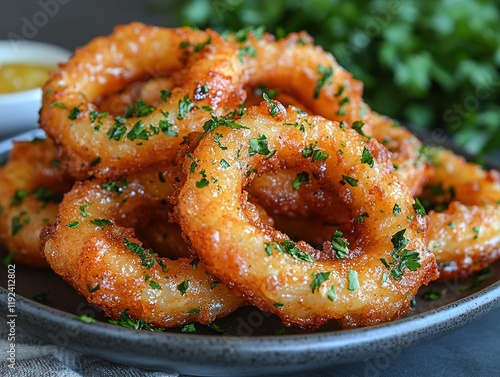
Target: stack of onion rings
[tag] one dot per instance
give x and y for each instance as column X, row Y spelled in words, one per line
column 258, row 136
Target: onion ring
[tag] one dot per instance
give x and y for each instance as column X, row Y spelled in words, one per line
column 32, row 183
column 100, row 145
column 93, row 246
column 464, row 231
column 264, row 265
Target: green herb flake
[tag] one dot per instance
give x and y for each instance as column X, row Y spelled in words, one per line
column 190, row 328
column 366, row 157
column 325, row 77
column 194, row 263
column 41, row 297
column 118, row 130
column 396, row 210
column 203, row 182
column 332, row 293
column 118, row 186
column 299, row 179
column 185, row 106
column 273, row 108
column 289, row 247
column 72, row 224
column 147, row 257
column 224, row 164
column 259, row 146
column 352, row 280
column 101, row 222
column 182, row 287
column 74, row 113
column 19, row 221
column 361, row 218
column 419, row 208
column 401, row 257
column 138, row 109
column 350, row 180
column 318, row 279
column 126, row 321
column 19, row 196
column 340, row 244
column 138, row 132
column 85, row 318
column 358, row 127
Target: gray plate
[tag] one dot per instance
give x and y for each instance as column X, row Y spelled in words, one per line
column 255, row 350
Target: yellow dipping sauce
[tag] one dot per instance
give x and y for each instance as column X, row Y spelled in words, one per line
column 15, row 77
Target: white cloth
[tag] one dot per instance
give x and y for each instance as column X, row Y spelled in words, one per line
column 34, row 357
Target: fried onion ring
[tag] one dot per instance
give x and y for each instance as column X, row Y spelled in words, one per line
column 93, row 246
column 97, row 144
column 279, row 275
column 464, row 229
column 32, row 183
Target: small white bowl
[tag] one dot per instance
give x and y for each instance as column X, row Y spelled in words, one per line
column 19, row 110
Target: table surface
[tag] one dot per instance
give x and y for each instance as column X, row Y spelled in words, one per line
column 470, row 351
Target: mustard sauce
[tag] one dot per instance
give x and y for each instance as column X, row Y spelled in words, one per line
column 15, row 77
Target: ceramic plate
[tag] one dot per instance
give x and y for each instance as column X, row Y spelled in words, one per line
column 249, row 342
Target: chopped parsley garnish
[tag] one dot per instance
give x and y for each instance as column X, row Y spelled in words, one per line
column 153, row 284
column 85, row 318
column 313, row 152
column 366, row 157
column 401, row 257
column 318, row 279
column 146, row 256
column 352, row 280
column 332, row 293
column 164, row 95
column 194, row 263
column 273, row 108
column 288, row 247
column 138, row 131
column 350, row 180
column 419, row 208
column 19, row 195
column 259, row 146
column 19, row 221
column 118, row 130
column 340, row 244
column 126, row 321
column 58, row 104
column 41, row 297
column 203, row 182
column 215, row 122
column 182, row 287
column 224, row 164
column 190, row 328
column 358, row 127
column 301, row 178
column 73, row 114
column 138, row 109
column 116, row 186
column 101, row 222
column 325, row 77
column 185, row 106
column 396, row 210
column 361, row 218
column 72, row 224
column 246, row 51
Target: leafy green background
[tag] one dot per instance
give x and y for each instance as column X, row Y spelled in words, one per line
column 431, row 64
